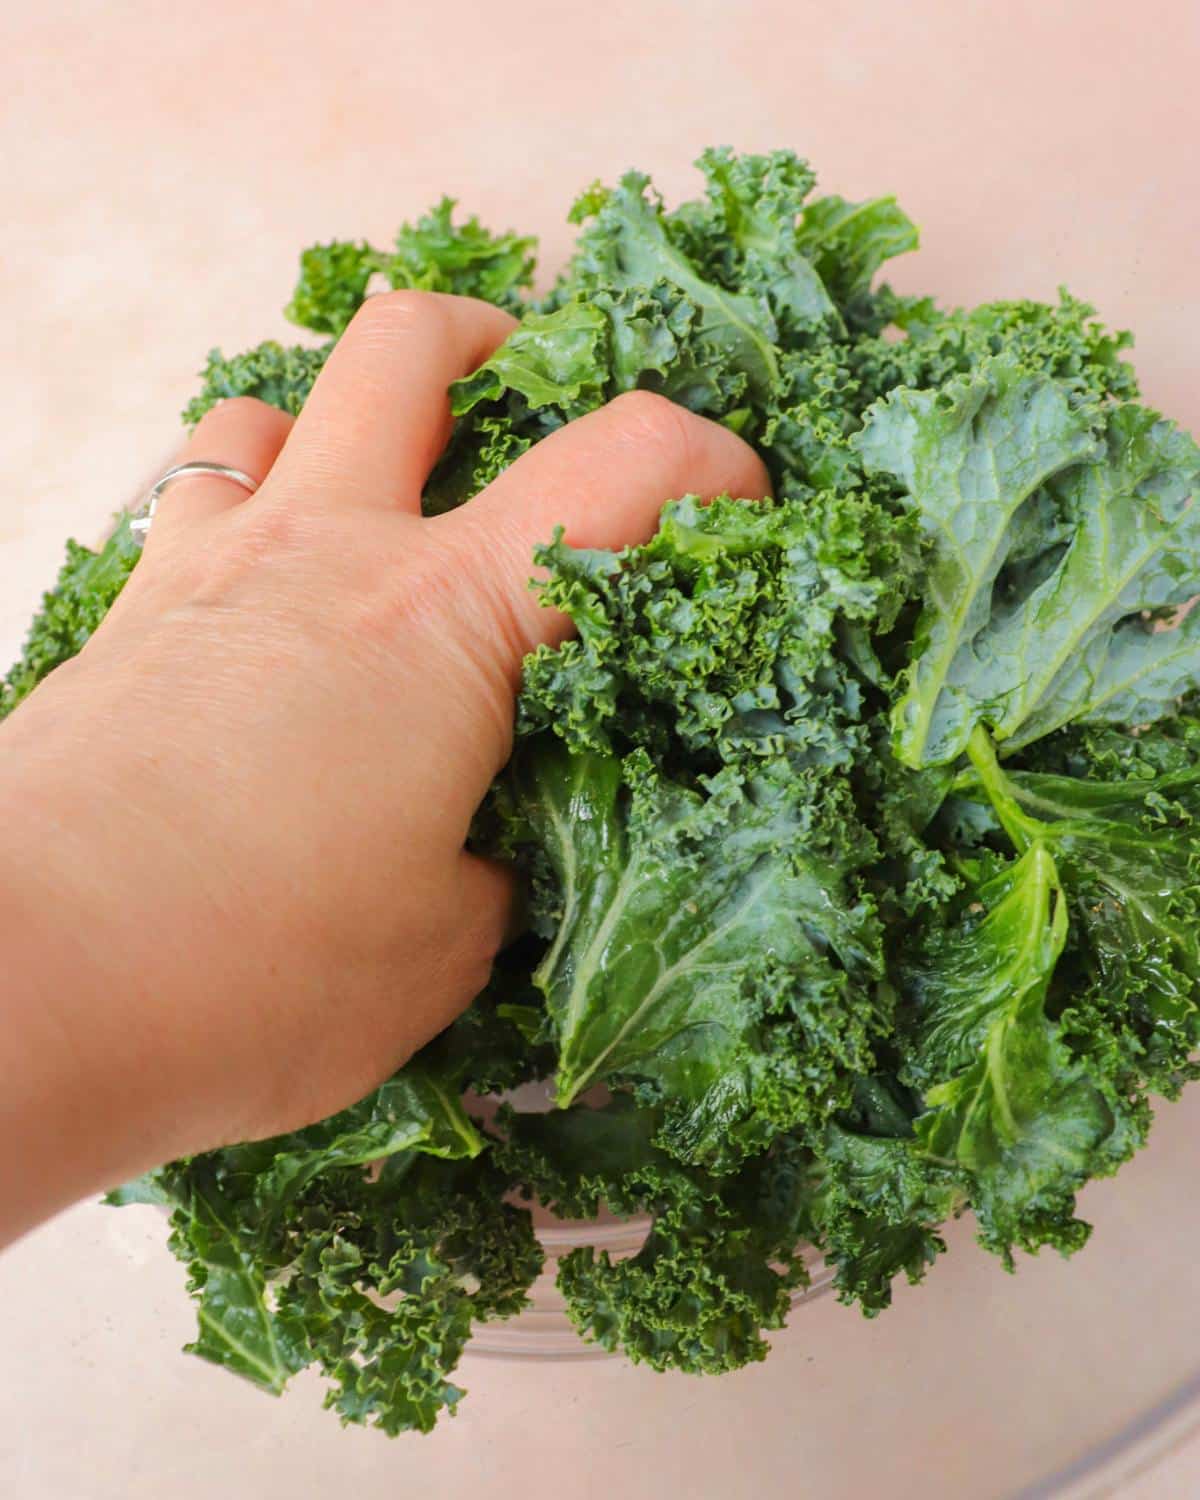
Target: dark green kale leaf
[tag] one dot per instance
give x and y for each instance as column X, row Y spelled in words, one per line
column 1008, row 1101
column 716, row 1268
column 842, row 986
column 968, row 457
column 875, row 1202
column 696, row 1297
column 710, row 946
column 721, row 636
column 298, row 1255
column 1128, row 854
column 1098, row 616
column 389, row 1278
column 1049, row 607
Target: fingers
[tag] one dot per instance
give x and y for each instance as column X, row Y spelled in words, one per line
column 245, row 434
column 379, row 415
column 604, row 478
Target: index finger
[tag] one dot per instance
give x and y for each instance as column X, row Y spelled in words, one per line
column 378, row 416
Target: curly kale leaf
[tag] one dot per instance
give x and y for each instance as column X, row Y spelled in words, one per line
column 434, row 254
column 1060, row 339
column 332, row 285
column 716, row 1268
column 1128, row 854
column 745, row 236
column 297, row 1255
column 437, row 255
column 843, row 988
column 87, row 585
column 1007, row 1099
column 696, row 1297
column 629, row 243
column 710, row 947
column 279, row 376
column 720, row 636
column 968, row 457
column 414, row 1111
column 1088, row 643
column 848, row 243
column 390, row 1278
column 579, row 1160
column 874, row 1202
column 553, row 359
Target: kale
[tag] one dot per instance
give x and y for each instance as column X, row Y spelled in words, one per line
column 859, row 825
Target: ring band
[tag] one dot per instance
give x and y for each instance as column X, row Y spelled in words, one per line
column 140, row 524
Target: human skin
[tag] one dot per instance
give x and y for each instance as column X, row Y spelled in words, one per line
column 234, row 893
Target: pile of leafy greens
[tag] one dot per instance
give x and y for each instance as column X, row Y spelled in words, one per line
column 861, row 825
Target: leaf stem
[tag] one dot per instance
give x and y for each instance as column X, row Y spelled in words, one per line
column 996, row 784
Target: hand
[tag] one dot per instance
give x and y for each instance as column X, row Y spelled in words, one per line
column 233, row 871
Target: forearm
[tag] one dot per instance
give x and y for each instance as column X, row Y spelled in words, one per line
column 70, row 1101
column 93, row 1088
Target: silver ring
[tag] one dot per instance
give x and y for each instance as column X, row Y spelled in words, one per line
column 140, row 524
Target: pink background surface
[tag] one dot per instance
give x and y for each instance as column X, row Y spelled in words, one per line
column 162, row 166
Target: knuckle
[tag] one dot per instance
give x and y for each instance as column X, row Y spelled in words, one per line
column 646, row 417
column 390, row 312
column 267, row 533
column 244, row 412
column 245, row 419
column 273, row 524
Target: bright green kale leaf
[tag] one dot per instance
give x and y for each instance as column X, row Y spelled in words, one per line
column 437, row 255
column 807, row 435
column 745, row 236
column 414, row 1111
column 848, row 242
column 969, row 976
column 1062, row 339
column 628, row 244
column 968, row 457
column 332, row 285
column 552, row 359
column 279, row 376
column 87, row 585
